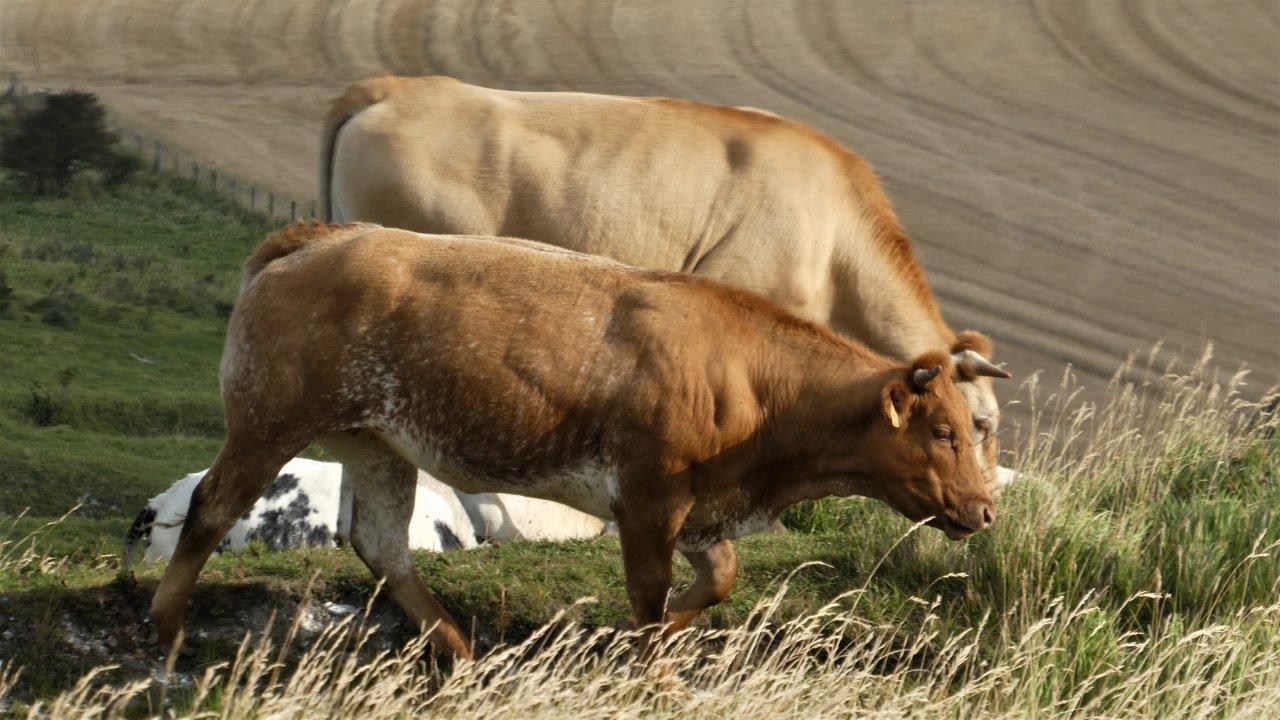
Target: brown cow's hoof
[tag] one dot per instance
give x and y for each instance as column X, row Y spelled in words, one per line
column 186, row 648
column 666, row 680
column 186, row 651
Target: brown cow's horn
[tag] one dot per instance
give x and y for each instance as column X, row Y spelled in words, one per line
column 970, row 364
column 923, row 376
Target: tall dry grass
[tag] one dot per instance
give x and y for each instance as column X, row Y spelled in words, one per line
column 1135, row 572
column 20, row 553
column 827, row 664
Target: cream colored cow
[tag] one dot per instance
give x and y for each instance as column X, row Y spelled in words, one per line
column 733, row 194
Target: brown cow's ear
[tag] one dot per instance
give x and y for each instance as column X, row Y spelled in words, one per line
column 895, row 402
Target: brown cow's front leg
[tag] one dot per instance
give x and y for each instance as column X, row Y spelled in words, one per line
column 648, row 531
column 714, row 571
column 646, row 560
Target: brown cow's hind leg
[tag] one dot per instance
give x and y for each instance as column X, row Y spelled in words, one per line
column 235, row 481
column 383, row 490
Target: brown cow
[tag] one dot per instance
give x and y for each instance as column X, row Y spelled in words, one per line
column 731, row 194
column 689, row 411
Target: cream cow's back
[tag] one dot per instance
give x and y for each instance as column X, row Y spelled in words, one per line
column 647, row 181
column 732, row 194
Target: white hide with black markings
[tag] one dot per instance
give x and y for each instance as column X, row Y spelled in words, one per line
column 301, row 508
column 502, row 517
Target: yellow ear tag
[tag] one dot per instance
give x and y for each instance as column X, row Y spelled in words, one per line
column 893, row 417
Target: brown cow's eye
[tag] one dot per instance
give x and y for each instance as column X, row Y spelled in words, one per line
column 942, row 432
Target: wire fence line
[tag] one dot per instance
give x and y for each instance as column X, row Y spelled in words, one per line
column 168, row 160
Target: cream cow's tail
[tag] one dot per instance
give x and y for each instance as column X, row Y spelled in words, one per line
column 354, row 99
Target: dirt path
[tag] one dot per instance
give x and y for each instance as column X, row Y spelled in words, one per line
column 1081, row 178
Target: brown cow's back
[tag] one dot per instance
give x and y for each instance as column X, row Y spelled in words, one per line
column 565, row 358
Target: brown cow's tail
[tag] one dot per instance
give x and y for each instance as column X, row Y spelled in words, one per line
column 354, row 99
column 291, row 239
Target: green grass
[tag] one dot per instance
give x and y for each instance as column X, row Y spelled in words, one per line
column 1155, row 562
column 504, row 592
column 111, row 335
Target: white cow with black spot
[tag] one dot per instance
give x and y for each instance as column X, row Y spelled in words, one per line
column 501, row 517
column 301, row 508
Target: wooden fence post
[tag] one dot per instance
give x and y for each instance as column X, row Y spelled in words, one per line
column 271, row 204
column 253, row 198
column 293, row 210
column 213, row 180
column 313, row 210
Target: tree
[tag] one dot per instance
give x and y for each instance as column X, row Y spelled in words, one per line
column 68, row 135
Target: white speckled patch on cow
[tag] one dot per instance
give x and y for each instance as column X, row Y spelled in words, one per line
column 589, row 486
column 724, row 526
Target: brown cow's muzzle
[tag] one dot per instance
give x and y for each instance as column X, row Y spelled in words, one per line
column 968, row 518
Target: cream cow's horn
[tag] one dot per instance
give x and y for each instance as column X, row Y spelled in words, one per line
column 969, row 364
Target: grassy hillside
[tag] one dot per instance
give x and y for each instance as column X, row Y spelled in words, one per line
column 111, row 324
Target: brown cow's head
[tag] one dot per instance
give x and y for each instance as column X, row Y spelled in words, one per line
column 924, row 445
column 973, row 373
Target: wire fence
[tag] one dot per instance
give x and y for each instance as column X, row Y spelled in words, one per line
column 166, row 159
